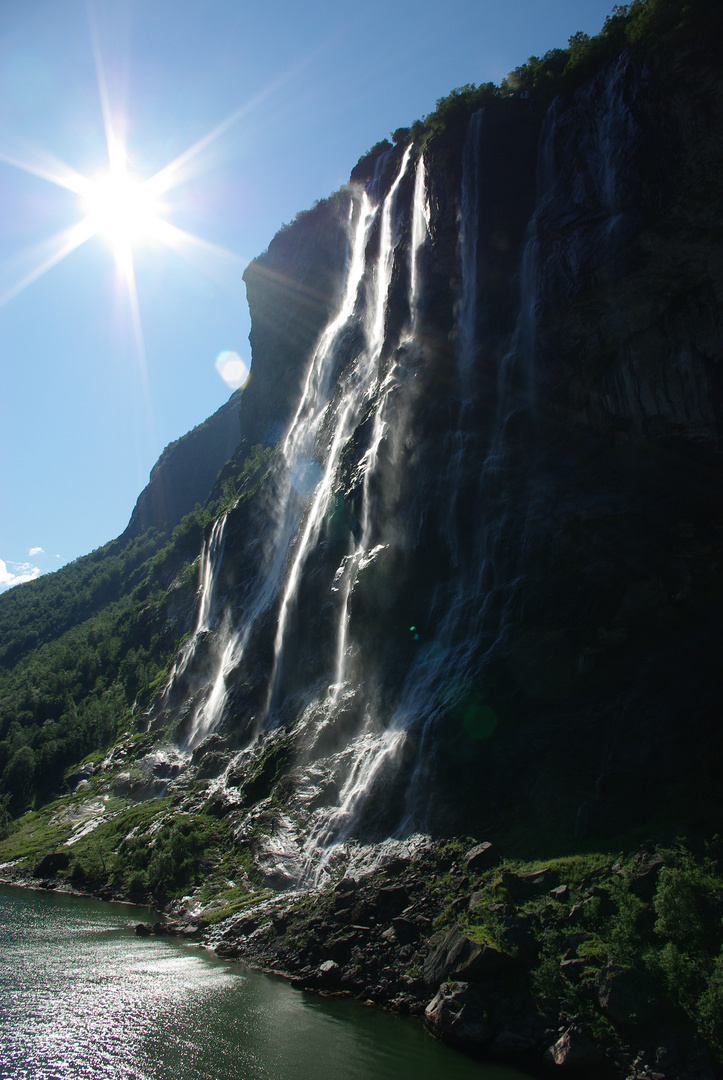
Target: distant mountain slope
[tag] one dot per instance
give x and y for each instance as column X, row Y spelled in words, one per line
column 184, row 476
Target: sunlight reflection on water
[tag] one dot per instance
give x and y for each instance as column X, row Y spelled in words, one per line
column 83, row 998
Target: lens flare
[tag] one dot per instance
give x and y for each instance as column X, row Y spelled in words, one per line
column 121, row 209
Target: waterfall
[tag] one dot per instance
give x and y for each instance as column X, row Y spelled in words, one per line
column 304, row 486
column 420, row 232
column 477, row 605
column 341, row 414
column 210, row 560
column 298, row 479
column 363, row 553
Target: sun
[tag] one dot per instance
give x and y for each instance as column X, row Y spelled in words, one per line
column 122, row 210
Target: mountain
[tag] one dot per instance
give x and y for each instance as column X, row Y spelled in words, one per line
column 460, row 581
column 186, row 471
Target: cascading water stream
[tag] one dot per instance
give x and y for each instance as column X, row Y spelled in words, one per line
column 211, row 554
column 210, row 562
column 357, row 388
column 420, row 231
column 374, row 750
column 232, row 643
column 363, row 554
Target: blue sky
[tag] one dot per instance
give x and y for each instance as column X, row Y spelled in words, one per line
column 96, row 377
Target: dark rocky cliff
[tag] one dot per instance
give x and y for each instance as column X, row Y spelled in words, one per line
column 509, row 556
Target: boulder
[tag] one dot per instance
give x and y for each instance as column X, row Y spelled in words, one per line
column 457, row 1015
column 51, row 864
column 328, row 973
column 83, row 772
column 142, row 930
column 481, row 857
column 625, row 995
column 458, row 957
column 560, row 892
column 227, row 950
column 406, row 930
column 573, row 1052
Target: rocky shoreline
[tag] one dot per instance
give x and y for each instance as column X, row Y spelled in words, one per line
column 495, row 961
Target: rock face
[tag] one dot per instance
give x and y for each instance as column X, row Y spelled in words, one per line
column 478, row 581
column 456, row 957
column 625, row 995
column 456, row 1015
column 186, row 470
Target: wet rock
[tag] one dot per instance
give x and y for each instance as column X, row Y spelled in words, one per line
column 457, row 1016
column 122, row 783
column 481, row 857
column 51, row 864
column 212, row 763
column 328, row 973
column 142, row 930
column 625, row 995
column 573, row 1052
column 276, row 877
column 510, row 1045
column 227, row 951
column 244, row 927
column 219, row 807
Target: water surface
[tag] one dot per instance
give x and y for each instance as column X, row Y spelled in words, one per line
column 83, row 998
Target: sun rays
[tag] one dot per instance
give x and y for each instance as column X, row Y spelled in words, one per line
column 118, row 206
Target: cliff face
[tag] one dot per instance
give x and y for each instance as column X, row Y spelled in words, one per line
column 185, row 472
column 478, row 587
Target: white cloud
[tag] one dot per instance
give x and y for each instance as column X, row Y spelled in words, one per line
column 232, row 369
column 36, row 551
column 13, row 573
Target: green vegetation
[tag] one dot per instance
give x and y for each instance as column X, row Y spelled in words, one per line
column 659, row 915
column 150, row 849
column 84, row 651
column 642, row 27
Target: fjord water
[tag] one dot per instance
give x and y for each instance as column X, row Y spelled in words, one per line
column 83, row 998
